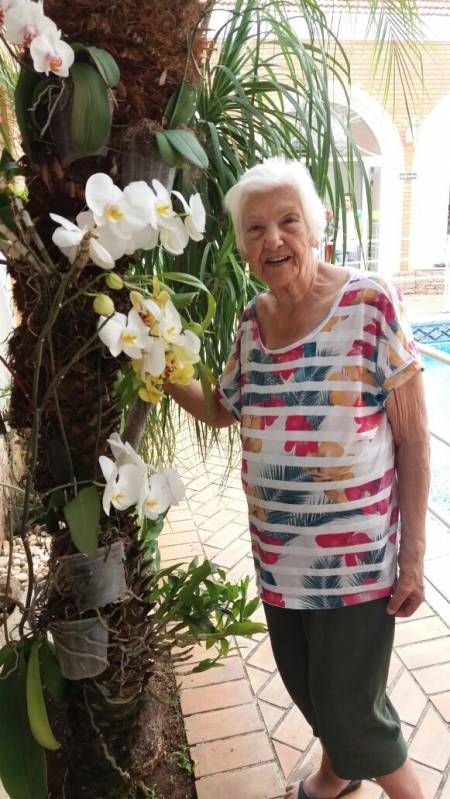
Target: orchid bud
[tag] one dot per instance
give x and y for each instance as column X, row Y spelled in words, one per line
column 103, row 305
column 114, row 281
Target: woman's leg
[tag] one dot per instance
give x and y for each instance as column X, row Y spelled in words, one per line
column 323, row 783
column 291, row 652
column 402, row 784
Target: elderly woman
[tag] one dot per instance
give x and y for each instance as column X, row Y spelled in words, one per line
column 326, row 383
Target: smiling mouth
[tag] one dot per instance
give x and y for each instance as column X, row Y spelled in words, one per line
column 281, row 259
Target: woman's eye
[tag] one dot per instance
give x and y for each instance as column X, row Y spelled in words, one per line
column 253, row 228
column 289, row 219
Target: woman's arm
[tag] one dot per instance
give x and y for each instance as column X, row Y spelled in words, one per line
column 192, row 399
column 406, row 410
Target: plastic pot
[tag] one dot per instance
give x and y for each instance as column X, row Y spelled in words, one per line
column 81, row 647
column 96, row 582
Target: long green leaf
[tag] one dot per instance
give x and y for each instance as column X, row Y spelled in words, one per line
column 188, row 146
column 23, row 770
column 25, row 87
column 82, row 515
column 91, row 115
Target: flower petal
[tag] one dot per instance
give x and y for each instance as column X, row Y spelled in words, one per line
column 154, row 360
column 100, row 256
column 174, row 237
column 99, row 190
column 65, row 223
column 110, row 332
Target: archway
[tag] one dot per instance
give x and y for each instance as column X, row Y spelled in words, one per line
column 388, row 163
column 430, row 201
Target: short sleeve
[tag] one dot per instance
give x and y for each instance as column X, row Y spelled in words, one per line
column 397, row 357
column 228, row 391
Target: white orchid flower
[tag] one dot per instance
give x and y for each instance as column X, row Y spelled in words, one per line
column 121, row 211
column 174, row 236
column 25, row 20
column 68, row 238
column 5, row 5
column 124, row 452
column 145, row 239
column 153, row 358
column 123, row 485
column 117, row 246
column 51, row 54
column 165, row 488
column 195, row 219
column 161, row 207
column 187, row 347
column 170, row 322
column 123, row 334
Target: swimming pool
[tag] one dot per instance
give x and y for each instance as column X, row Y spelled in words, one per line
column 437, row 387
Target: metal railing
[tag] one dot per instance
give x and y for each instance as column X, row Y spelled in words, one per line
column 443, row 357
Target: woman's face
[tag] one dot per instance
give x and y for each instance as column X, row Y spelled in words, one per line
column 277, row 243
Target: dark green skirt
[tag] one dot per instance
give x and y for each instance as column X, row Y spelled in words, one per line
column 335, row 664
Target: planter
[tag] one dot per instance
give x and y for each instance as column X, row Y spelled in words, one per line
column 96, row 582
column 140, row 157
column 81, row 647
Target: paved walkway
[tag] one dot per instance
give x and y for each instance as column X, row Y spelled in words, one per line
column 246, row 737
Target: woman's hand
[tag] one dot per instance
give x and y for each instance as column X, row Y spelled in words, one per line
column 408, row 594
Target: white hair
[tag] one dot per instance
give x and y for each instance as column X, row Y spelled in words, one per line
column 273, row 173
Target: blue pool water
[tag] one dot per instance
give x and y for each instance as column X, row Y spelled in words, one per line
column 437, row 386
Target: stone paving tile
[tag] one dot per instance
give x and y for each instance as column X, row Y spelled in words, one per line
column 181, row 551
column 263, row 657
column 231, row 753
column 429, row 780
column 257, row 782
column 294, row 730
column 226, row 535
column 442, row 704
column 446, row 790
column 219, row 520
column 232, row 669
column 409, row 700
column 257, row 677
column 427, row 653
column 420, row 630
column 276, row 693
column 270, row 714
column 172, row 539
column 394, row 668
column 213, row 697
column 231, row 555
column 431, row 743
column 434, row 679
column 180, row 526
column 438, row 570
column 287, row 756
column 422, row 611
column 214, row 724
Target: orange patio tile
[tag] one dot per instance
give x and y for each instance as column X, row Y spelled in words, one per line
column 231, row 753
column 232, row 669
column 212, row 697
column 222, row 723
column 287, row 756
column 219, row 520
column 257, row 782
column 257, row 677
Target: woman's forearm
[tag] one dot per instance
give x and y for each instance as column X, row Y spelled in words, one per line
column 192, row 399
column 407, row 414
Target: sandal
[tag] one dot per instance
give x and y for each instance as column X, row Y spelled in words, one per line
column 352, row 786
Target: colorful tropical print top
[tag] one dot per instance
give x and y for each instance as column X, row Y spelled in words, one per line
column 318, row 454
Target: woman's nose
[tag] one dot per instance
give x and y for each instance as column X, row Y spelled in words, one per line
column 273, row 237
